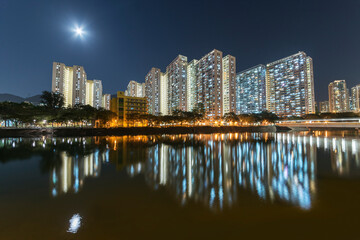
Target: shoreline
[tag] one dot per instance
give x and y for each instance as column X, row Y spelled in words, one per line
column 133, row 131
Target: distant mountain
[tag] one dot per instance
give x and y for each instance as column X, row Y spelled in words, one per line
column 13, row 98
column 34, row 99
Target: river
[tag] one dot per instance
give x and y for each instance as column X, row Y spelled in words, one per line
column 303, row 185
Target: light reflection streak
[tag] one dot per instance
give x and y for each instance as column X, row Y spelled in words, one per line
column 213, row 170
column 209, row 169
column 69, row 176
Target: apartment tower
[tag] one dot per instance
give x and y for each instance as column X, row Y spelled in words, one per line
column 71, row 82
column 229, row 84
column 251, row 91
column 152, row 91
column 135, row 89
column 209, row 87
column 355, row 96
column 106, row 101
column 191, row 84
column 94, row 93
column 324, row 107
column 176, row 84
column 290, row 86
column 338, row 96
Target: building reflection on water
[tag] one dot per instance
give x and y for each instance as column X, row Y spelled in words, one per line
column 69, row 176
column 213, row 170
column 67, row 160
column 74, row 165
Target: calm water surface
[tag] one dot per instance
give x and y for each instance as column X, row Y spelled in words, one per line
column 220, row 186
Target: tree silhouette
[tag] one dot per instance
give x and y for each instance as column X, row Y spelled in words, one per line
column 52, row 100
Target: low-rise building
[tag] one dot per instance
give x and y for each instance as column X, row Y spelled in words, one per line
column 125, row 107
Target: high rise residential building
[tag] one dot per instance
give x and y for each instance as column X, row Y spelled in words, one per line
column 79, row 85
column 251, row 91
column 229, row 84
column 209, row 84
column 135, row 89
column 324, row 107
column 94, row 93
column 71, row 82
column 310, row 96
column 164, row 110
column 97, row 96
column 290, row 86
column 338, row 96
column 106, row 98
column 176, row 84
column 191, row 84
column 351, row 105
column 153, row 91
column 62, row 81
column 355, row 97
column 89, row 92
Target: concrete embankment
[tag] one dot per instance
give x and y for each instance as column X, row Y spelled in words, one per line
column 79, row 132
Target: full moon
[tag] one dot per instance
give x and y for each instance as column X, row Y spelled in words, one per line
column 79, row 31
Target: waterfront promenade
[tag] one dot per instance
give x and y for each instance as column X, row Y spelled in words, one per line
column 122, row 131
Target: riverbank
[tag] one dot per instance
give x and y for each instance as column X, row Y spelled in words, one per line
column 132, row 131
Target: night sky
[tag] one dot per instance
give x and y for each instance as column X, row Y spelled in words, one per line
column 126, row 38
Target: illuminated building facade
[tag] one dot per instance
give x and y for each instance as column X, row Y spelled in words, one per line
column 126, row 106
column 324, row 107
column 106, row 98
column 176, row 84
column 94, row 93
column 153, row 91
column 290, row 86
column 71, row 82
column 77, row 90
column 79, row 85
column 251, row 91
column 135, row 89
column 191, row 84
column 338, row 96
column 62, row 81
column 355, row 98
column 229, row 84
column 164, row 109
column 209, row 84
column 185, row 85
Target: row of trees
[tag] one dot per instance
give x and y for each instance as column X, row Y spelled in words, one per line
column 197, row 116
column 52, row 111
